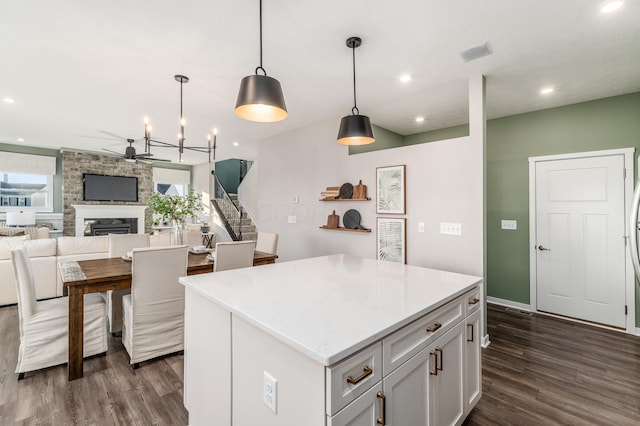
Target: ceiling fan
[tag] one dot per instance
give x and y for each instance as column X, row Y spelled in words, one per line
column 130, row 154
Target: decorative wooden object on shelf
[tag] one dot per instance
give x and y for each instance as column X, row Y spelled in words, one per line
column 341, row 228
column 333, row 193
column 360, row 191
column 333, row 220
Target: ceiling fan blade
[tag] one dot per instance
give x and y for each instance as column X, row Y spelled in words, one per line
column 102, row 138
column 119, row 154
column 113, row 135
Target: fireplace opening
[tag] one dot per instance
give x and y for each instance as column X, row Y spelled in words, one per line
column 106, row 226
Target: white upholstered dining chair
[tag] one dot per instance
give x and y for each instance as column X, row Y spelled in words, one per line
column 233, row 255
column 153, row 314
column 267, row 242
column 120, row 245
column 44, row 324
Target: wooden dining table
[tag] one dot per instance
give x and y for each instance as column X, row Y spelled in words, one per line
column 93, row 276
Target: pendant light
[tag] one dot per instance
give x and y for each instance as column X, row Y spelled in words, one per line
column 355, row 129
column 260, row 97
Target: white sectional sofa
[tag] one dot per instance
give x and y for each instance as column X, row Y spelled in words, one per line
column 46, row 254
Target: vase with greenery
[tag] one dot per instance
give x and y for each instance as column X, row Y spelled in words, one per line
column 177, row 210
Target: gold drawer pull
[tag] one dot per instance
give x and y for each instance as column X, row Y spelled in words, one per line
column 381, row 420
column 472, row 333
column 433, row 369
column 366, row 372
column 474, row 301
column 435, row 326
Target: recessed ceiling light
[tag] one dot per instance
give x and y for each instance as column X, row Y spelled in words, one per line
column 611, row 6
column 419, row 119
column 8, row 100
column 20, row 139
column 235, row 144
column 547, row 90
column 405, row 78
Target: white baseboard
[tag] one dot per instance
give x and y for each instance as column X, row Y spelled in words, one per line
column 485, row 341
column 637, row 331
column 509, row 303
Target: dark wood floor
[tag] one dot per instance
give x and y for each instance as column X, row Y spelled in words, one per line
column 540, row 370
column 537, row 371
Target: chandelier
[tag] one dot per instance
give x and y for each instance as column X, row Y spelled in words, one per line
column 149, row 142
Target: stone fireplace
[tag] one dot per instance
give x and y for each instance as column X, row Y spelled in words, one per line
column 92, row 219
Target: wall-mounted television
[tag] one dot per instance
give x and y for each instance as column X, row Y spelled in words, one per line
column 109, row 188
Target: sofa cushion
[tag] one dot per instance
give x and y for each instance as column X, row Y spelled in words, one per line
column 41, row 248
column 82, row 245
column 9, row 243
column 11, row 232
column 31, row 231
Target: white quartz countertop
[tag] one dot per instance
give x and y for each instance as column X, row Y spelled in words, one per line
column 332, row 306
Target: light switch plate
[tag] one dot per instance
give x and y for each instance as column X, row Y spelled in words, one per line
column 421, row 227
column 447, row 228
column 510, row 225
column 291, row 219
column 295, row 199
column 270, row 392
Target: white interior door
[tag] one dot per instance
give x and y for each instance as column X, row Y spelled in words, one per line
column 580, row 245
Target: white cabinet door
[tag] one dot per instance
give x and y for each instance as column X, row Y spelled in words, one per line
column 446, row 387
column 406, row 392
column 473, row 359
column 364, row 411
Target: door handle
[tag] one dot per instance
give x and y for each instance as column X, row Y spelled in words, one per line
column 541, row 248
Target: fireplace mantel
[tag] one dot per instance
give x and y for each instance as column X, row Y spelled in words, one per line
column 106, row 211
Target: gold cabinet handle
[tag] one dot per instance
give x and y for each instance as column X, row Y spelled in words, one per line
column 470, row 340
column 433, row 369
column 474, row 301
column 434, row 327
column 439, row 355
column 381, row 420
column 365, row 373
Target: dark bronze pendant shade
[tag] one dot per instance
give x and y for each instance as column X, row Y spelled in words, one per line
column 260, row 97
column 355, row 129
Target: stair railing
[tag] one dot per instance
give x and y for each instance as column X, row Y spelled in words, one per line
column 228, row 211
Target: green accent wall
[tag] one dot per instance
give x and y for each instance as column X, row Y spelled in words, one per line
column 228, row 172
column 57, row 179
column 608, row 123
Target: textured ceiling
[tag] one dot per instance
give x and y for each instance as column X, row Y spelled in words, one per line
column 82, row 71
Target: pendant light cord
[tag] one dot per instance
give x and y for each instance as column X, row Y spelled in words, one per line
column 354, row 110
column 260, row 67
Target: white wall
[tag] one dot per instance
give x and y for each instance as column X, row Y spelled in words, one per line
column 444, row 183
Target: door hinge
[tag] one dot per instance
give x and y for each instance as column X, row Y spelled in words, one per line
column 626, row 239
column 624, row 173
column 626, row 310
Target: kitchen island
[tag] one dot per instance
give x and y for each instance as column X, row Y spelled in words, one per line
column 332, row 340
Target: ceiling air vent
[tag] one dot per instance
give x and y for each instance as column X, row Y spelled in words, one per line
column 476, row 52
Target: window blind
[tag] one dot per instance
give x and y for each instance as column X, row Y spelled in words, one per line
column 174, row 176
column 27, row 164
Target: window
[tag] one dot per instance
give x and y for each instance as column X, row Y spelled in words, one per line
column 26, row 182
column 26, row 191
column 171, row 181
column 171, row 189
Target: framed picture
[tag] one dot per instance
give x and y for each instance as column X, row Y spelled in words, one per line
column 391, row 239
column 390, row 191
